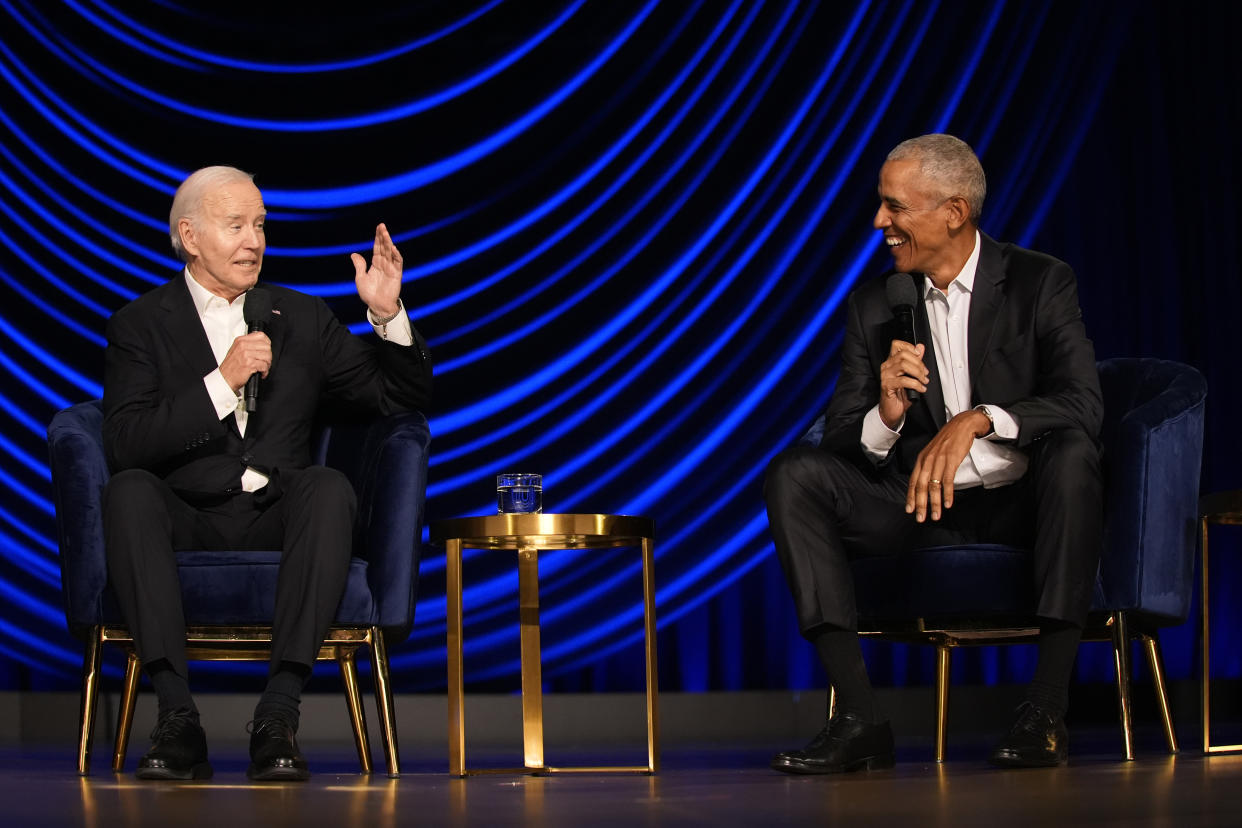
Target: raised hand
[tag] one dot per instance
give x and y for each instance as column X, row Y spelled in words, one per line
column 380, row 286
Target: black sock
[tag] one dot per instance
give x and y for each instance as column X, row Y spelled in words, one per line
column 282, row 697
column 1058, row 646
column 842, row 659
column 172, row 691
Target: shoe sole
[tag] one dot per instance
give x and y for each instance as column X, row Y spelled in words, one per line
column 1012, row 761
column 277, row 774
column 870, row 763
column 200, row 771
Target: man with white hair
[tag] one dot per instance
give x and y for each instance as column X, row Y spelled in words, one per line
column 984, row 431
column 195, row 467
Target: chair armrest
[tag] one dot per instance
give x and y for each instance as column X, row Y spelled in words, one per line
column 386, row 460
column 79, row 474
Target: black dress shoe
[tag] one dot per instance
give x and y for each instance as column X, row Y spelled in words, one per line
column 274, row 754
column 1038, row 739
column 846, row 743
column 178, row 749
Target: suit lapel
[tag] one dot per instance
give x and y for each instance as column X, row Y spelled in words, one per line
column 184, row 329
column 986, row 300
column 276, row 329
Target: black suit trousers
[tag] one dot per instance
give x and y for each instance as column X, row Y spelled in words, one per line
column 308, row 514
column 824, row 509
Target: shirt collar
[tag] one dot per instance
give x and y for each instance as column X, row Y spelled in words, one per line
column 965, row 280
column 203, row 298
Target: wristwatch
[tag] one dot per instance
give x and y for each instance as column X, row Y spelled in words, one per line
column 983, row 409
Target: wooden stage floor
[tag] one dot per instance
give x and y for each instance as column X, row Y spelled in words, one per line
column 709, row 786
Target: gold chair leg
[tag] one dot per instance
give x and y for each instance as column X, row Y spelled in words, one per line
column 384, row 702
column 1121, row 661
column 1151, row 645
column 353, row 700
column 832, row 702
column 92, row 660
column 125, row 715
column 944, row 657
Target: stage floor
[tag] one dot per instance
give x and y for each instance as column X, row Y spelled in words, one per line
column 713, row 785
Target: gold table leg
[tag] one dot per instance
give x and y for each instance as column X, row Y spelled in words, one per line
column 532, row 671
column 1205, row 679
column 649, row 642
column 456, row 712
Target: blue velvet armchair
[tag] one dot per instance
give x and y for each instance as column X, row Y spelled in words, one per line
column 953, row 596
column 228, row 596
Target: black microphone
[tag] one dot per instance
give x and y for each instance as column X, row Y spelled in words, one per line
column 256, row 310
column 901, row 294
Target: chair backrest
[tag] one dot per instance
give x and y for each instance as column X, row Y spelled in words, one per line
column 1153, row 448
column 384, row 458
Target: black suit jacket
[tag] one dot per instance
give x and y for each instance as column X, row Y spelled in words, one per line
column 158, row 415
column 1028, row 353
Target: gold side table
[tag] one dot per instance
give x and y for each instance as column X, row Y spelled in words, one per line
column 527, row 534
column 1223, row 508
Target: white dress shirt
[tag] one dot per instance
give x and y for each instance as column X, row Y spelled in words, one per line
column 990, row 463
column 223, row 322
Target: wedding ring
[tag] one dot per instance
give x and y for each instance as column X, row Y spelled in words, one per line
column 937, row 482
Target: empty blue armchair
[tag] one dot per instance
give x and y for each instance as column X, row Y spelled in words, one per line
column 952, row 596
column 228, row 596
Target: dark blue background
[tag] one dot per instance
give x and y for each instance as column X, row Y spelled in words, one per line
column 628, row 230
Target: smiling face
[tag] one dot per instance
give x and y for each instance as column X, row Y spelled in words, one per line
column 922, row 227
column 224, row 241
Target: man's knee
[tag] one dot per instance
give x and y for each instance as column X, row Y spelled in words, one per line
column 803, row 470
column 134, row 491
column 325, row 489
column 1068, row 462
column 791, row 468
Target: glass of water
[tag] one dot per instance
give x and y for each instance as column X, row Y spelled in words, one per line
column 519, row 494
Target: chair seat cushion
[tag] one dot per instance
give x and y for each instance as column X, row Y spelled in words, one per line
column 239, row 587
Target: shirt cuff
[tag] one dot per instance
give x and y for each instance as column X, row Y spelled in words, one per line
column 222, row 396
column 1004, row 426
column 396, row 330
column 877, row 438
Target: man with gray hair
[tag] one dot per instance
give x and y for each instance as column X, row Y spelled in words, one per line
column 198, row 466
column 985, row 431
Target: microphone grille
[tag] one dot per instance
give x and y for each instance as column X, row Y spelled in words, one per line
column 900, row 291
column 258, row 306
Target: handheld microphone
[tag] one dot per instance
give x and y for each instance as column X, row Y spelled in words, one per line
column 901, row 295
column 256, row 310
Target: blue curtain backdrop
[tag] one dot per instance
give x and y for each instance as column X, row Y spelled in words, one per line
column 628, row 229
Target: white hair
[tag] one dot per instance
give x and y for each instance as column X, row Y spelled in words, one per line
column 188, row 200
column 950, row 164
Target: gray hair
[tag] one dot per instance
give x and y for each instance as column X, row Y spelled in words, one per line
column 188, row 200
column 950, row 164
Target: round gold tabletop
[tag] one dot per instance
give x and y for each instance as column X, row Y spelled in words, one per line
column 544, row 531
